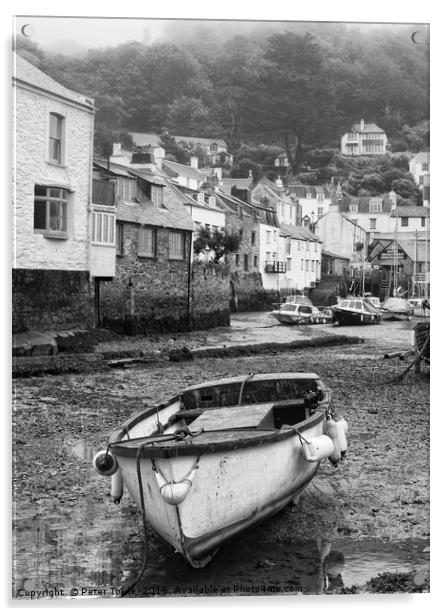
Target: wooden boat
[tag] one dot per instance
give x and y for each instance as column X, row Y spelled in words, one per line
column 296, row 313
column 355, row 311
column 223, row 456
column 396, row 309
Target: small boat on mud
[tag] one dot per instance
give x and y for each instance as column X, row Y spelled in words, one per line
column 298, row 313
column 396, row 309
column 222, row 456
column 355, row 311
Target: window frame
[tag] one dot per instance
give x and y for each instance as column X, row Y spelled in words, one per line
column 48, row 199
column 105, row 228
column 141, row 248
column 182, row 236
column 53, row 139
column 404, row 221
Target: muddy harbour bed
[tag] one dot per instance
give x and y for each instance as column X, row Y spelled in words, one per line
column 370, row 515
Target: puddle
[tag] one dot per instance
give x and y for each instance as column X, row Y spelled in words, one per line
column 93, row 546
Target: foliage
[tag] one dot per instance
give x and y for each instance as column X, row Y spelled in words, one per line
column 296, row 87
column 406, row 189
column 218, row 242
column 242, row 168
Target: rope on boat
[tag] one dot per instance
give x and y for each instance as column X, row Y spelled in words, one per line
column 240, row 397
column 128, row 589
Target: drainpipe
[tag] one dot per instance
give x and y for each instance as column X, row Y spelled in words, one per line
column 189, row 281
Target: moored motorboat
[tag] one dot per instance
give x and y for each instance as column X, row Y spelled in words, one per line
column 296, row 313
column 355, row 311
column 224, row 455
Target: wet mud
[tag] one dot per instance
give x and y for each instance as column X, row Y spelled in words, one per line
column 368, row 516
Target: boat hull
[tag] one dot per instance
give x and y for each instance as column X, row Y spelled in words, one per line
column 348, row 317
column 232, row 490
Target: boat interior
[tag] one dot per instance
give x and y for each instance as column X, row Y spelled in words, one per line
column 262, row 404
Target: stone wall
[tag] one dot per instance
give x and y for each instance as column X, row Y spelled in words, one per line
column 166, row 295
column 51, row 300
column 247, row 293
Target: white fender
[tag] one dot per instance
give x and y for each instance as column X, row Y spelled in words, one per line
column 105, row 463
column 317, row 448
column 116, row 486
column 174, row 492
column 331, row 430
column 342, row 430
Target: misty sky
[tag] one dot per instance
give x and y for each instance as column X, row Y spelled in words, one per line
column 70, row 35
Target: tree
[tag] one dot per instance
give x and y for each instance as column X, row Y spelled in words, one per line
column 293, row 95
column 219, row 243
column 406, row 189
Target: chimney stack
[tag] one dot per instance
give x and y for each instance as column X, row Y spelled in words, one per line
column 194, row 162
column 250, row 173
column 362, row 124
column 278, row 182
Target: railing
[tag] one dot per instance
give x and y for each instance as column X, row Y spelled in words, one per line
column 275, row 267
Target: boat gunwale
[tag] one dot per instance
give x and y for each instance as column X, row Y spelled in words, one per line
column 123, row 448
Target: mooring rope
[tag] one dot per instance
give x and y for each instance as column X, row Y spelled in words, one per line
column 128, row 589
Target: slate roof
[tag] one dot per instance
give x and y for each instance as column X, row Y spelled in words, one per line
column 333, row 255
column 368, row 128
column 301, row 190
column 406, row 241
column 409, row 211
column 299, row 233
column 364, row 202
column 421, row 157
column 227, row 183
column 175, row 169
column 27, row 73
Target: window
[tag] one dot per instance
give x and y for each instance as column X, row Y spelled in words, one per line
column 302, row 266
column 147, row 241
column 127, row 189
column 353, row 208
column 405, row 221
column 119, row 238
column 320, row 211
column 246, row 263
column 372, row 222
column 253, row 238
column 288, row 264
column 103, row 228
column 176, row 245
column 423, row 222
column 237, row 259
column 288, row 245
column 307, row 265
column 312, row 266
column 420, row 180
column 55, row 138
column 425, row 167
column 375, row 206
column 320, row 197
column 156, row 195
column 241, row 234
column 268, row 237
column 50, row 210
column 255, row 260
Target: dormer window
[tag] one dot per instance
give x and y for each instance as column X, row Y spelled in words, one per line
column 156, row 195
column 320, row 197
column 375, row 206
column 308, row 195
column 353, row 208
column 212, row 201
column 200, row 198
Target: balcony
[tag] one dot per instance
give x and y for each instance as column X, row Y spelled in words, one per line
column 275, row 267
